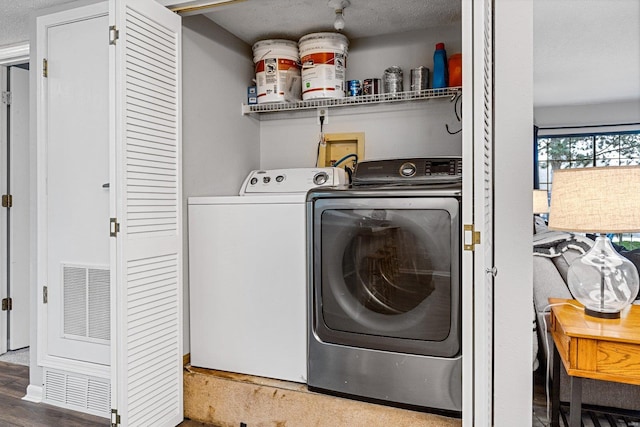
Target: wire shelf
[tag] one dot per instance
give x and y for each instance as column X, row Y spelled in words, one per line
column 382, row 98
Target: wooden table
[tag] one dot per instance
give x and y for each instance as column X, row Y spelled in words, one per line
column 590, row 347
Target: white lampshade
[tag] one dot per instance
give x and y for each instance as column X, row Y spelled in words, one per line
column 596, row 200
column 540, row 202
column 599, row 200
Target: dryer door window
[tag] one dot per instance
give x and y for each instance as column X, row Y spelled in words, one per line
column 389, row 277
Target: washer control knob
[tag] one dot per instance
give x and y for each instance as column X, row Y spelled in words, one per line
column 320, row 178
column 279, row 178
column 266, row 179
column 408, row 169
column 254, row 181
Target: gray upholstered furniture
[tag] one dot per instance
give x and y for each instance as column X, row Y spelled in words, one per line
column 554, row 251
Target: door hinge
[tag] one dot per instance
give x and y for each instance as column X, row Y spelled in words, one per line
column 45, row 67
column 115, row 418
column 45, row 295
column 7, row 200
column 114, row 227
column 7, row 304
column 114, row 34
column 471, row 237
column 6, row 97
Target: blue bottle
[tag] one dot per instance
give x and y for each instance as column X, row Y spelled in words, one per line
column 440, row 74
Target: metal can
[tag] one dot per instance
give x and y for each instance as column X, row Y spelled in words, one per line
column 419, row 78
column 354, row 88
column 370, row 86
column 392, row 79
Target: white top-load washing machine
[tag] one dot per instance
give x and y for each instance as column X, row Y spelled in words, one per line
column 247, row 274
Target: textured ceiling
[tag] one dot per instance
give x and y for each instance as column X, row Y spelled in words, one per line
column 254, row 20
column 585, row 51
column 14, row 18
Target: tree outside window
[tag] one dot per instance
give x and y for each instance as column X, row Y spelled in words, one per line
column 580, row 151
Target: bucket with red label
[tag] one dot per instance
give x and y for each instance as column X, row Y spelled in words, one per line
column 275, row 60
column 324, row 62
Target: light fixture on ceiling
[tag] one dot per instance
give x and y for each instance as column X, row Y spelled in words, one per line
column 193, row 8
column 339, row 6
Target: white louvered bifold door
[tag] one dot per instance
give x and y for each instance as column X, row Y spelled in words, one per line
column 146, row 150
column 483, row 211
column 478, row 211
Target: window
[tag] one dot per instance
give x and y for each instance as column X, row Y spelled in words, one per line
column 588, row 150
column 578, row 151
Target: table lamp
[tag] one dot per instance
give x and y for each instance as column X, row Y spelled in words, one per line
column 599, row 200
column 540, row 202
column 540, row 205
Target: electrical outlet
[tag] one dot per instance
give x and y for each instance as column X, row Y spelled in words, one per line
column 323, row 112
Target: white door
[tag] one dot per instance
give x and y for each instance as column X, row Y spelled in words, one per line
column 74, row 149
column 477, row 152
column 14, row 220
column 14, row 216
column 18, row 223
column 4, row 288
column 483, row 268
column 146, row 210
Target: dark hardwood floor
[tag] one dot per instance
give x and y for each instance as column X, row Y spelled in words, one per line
column 16, row 412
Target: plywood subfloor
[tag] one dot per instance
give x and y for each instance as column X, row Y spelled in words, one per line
column 227, row 400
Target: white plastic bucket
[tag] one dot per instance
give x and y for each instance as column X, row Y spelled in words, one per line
column 324, row 63
column 274, row 61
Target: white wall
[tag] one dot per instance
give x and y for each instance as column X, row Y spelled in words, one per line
column 616, row 114
column 370, row 56
column 411, row 131
column 513, row 183
column 219, row 145
column 391, row 131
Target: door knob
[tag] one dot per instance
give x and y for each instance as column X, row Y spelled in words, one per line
column 493, row 271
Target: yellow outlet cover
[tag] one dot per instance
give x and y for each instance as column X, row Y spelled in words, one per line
column 338, row 145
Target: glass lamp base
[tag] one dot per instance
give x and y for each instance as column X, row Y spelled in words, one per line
column 603, row 281
column 601, row 314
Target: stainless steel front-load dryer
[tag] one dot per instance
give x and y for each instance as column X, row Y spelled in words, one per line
column 384, row 289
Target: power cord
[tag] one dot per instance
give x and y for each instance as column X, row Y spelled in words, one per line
column 321, row 141
column 548, row 352
column 455, row 110
column 348, row 156
column 348, row 169
column 349, row 174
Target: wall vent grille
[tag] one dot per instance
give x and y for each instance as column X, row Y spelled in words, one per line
column 82, row 393
column 86, row 303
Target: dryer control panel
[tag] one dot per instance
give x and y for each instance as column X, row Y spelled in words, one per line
column 420, row 171
column 295, row 180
